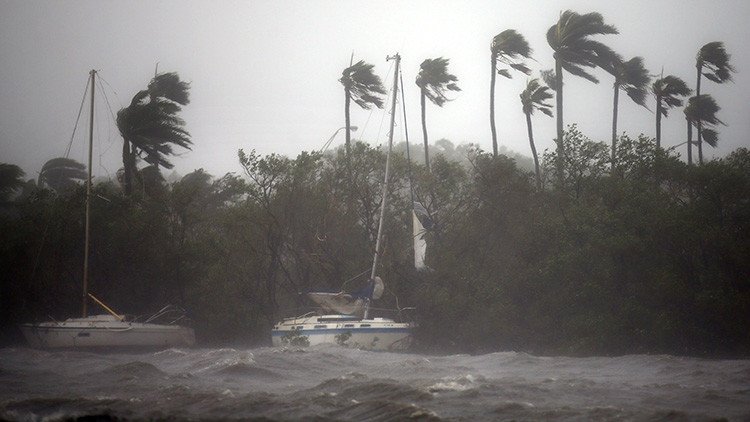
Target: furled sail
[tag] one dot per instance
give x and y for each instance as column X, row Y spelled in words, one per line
column 420, row 220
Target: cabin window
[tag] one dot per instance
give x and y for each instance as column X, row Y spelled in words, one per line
column 321, row 326
column 364, row 325
column 348, row 325
column 299, row 327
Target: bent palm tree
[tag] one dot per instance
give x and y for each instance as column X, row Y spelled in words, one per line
column 701, row 110
column 507, row 47
column 362, row 86
column 574, row 51
column 712, row 61
column 667, row 91
column 150, row 125
column 434, row 81
column 533, row 98
column 61, row 173
column 632, row 77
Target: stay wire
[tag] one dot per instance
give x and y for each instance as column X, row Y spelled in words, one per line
column 78, row 118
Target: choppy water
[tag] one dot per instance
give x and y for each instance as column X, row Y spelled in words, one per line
column 333, row 383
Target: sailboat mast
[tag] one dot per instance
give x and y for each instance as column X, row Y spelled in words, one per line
column 387, row 166
column 88, row 201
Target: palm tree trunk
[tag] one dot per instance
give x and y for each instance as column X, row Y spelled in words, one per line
column 700, row 123
column 658, row 123
column 690, row 142
column 533, row 151
column 492, row 108
column 614, row 125
column 347, row 102
column 424, row 133
column 559, row 101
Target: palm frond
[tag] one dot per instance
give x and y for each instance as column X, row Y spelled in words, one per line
column 11, row 179
column 434, row 80
column 714, row 58
column 534, row 96
column 364, row 86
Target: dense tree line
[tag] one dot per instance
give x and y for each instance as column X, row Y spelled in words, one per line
column 651, row 256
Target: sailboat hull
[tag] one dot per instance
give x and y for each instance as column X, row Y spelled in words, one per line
column 104, row 333
column 370, row 334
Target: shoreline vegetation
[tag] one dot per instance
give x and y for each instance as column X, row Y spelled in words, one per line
column 593, row 248
column 651, row 258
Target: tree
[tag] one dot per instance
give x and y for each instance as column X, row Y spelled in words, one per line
column 533, row 98
column 434, row 81
column 507, row 47
column 712, row 61
column 362, row 86
column 11, row 179
column 150, row 125
column 632, row 77
column 574, row 51
column 667, row 91
column 701, row 110
column 61, row 173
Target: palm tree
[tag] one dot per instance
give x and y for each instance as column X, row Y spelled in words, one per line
column 507, row 47
column 632, row 77
column 712, row 61
column 575, row 51
column 667, row 90
column 362, row 86
column 701, row 110
column 150, row 125
column 533, row 98
column 61, row 173
column 11, row 179
column 434, row 81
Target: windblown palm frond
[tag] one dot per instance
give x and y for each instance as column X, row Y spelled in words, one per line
column 11, row 179
column 569, row 38
column 510, row 47
column 703, row 108
column 150, row 125
column 714, row 59
column 534, row 97
column 363, row 86
column 631, row 76
column 435, row 81
column 667, row 91
column 169, row 86
column 61, row 173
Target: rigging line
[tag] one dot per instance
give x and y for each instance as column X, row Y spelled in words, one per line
column 106, row 100
column 100, row 78
column 390, row 92
column 372, row 111
column 80, row 109
column 109, row 124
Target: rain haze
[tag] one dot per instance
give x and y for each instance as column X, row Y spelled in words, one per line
column 257, row 282
column 264, row 74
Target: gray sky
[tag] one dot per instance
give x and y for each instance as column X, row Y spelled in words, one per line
column 265, row 74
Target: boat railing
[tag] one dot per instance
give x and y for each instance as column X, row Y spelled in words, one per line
column 399, row 315
column 168, row 315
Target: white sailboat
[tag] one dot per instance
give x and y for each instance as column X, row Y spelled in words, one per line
column 110, row 330
column 346, row 320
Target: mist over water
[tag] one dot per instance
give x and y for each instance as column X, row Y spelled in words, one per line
column 334, row 383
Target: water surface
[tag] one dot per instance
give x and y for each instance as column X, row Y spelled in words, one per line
column 334, row 383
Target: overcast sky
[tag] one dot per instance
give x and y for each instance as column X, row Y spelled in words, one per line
column 264, row 74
